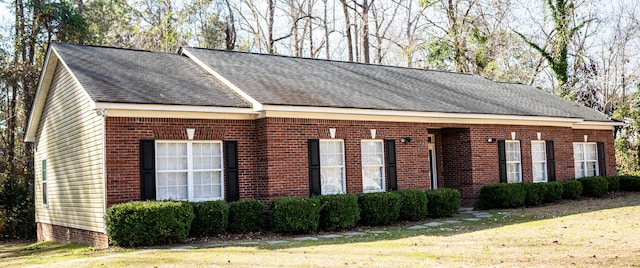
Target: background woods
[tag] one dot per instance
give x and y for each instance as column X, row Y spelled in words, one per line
column 584, row 50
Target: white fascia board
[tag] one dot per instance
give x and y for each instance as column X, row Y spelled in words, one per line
column 597, row 125
column 171, row 108
column 372, row 112
column 44, row 82
column 257, row 106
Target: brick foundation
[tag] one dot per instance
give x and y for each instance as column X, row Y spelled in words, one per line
column 61, row 234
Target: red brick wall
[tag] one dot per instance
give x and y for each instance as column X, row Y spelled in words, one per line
column 61, row 234
column 273, row 152
column 287, row 157
column 485, row 154
column 280, row 170
column 456, row 158
column 123, row 137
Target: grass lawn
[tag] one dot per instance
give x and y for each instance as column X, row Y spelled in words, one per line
column 587, row 232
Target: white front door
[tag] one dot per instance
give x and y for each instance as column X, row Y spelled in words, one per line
column 433, row 164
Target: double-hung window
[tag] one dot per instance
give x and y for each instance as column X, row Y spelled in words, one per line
column 539, row 161
column 514, row 168
column 372, row 166
column 189, row 170
column 332, row 171
column 585, row 155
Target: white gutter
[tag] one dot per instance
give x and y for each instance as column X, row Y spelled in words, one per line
column 171, row 108
column 354, row 111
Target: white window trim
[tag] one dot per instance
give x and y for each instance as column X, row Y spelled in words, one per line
column 190, row 168
column 584, row 158
column 343, row 166
column 519, row 162
column 533, row 161
column 383, row 184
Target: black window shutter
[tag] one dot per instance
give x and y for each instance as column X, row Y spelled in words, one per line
column 390, row 160
column 231, row 170
column 551, row 162
column 314, row 167
column 602, row 164
column 147, row 169
column 502, row 161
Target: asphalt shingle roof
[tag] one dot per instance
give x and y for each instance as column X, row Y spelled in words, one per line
column 279, row 80
column 142, row 77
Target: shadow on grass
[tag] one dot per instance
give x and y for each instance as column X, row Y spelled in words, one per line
column 22, row 248
column 501, row 217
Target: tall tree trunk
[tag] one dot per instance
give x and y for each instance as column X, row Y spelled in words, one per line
column 230, row 29
column 270, row 10
column 326, row 31
column 457, row 45
column 347, row 29
column 365, row 30
column 310, row 24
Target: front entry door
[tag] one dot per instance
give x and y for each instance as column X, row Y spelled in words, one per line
column 433, row 166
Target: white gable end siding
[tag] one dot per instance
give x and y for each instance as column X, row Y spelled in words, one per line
column 70, row 136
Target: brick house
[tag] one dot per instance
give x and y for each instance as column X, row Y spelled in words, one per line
column 113, row 125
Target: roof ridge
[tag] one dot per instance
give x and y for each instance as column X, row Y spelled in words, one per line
column 112, row 47
column 330, row 60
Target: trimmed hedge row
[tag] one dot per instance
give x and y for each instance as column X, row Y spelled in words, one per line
column 379, row 208
column 553, row 191
column 141, row 223
column 534, row 193
column 148, row 222
column 594, row 186
column 339, row 212
column 510, row 195
column 156, row 222
column 502, row 195
column 571, row 189
column 629, row 183
column 246, row 216
column 443, row 202
column 413, row 204
column 296, row 215
column 211, row 218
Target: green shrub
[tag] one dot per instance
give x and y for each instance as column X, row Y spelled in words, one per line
column 17, row 216
column 211, row 218
column 553, row 191
column 246, row 216
column 534, row 193
column 141, row 223
column 630, row 183
column 413, row 204
column 614, row 183
column 339, row 212
column 379, row 208
column 443, row 202
column 295, row 215
column 571, row 189
column 594, row 186
column 502, row 195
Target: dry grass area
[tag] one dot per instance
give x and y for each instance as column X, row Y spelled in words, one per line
column 588, row 232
